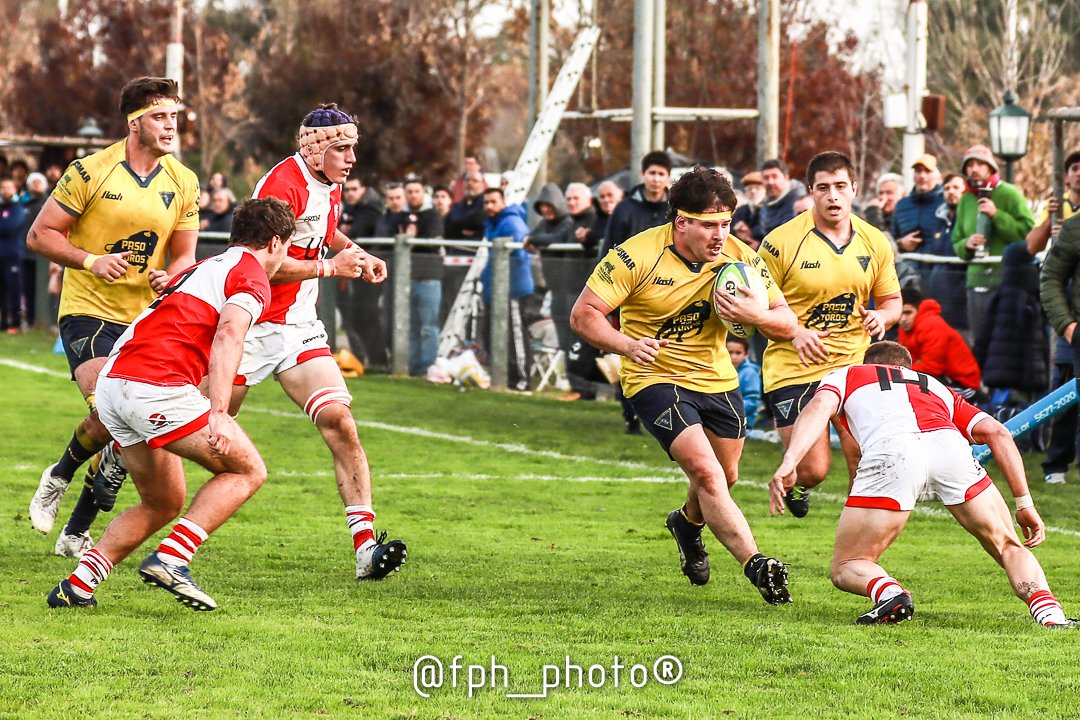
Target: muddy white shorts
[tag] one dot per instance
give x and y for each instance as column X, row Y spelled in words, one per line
column 272, row 348
column 897, row 471
column 134, row 412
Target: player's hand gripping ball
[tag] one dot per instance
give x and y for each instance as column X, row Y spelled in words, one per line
column 733, row 276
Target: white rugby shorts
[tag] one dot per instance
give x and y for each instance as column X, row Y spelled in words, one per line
column 273, row 348
column 896, row 471
column 135, row 412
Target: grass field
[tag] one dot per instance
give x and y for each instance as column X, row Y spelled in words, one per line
column 535, row 532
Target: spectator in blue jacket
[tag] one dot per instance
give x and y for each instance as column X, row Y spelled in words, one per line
column 922, row 223
column 12, row 244
column 749, row 376
column 509, row 222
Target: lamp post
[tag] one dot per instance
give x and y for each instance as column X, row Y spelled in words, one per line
column 90, row 130
column 1009, row 126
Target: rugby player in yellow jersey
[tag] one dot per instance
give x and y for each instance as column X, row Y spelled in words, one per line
column 829, row 264
column 676, row 371
column 113, row 218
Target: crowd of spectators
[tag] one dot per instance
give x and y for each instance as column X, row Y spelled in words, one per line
column 976, row 323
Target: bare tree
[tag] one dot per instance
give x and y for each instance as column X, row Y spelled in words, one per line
column 979, row 50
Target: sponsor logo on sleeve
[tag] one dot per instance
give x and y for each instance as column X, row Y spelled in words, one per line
column 603, row 271
column 82, row 171
column 625, row 258
column 770, row 249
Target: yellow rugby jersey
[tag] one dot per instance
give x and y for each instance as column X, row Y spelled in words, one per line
column 116, row 211
column 663, row 296
column 824, row 286
column 1067, row 211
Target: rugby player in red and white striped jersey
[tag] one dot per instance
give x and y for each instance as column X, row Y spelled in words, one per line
column 914, row 434
column 148, row 398
column 291, row 342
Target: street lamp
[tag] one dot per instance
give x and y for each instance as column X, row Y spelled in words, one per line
column 1009, row 125
column 90, row 131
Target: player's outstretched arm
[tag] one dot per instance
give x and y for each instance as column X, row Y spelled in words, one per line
column 225, row 353
column 589, row 320
column 992, row 433
column 812, row 422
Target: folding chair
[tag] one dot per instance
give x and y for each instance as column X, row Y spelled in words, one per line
column 547, row 363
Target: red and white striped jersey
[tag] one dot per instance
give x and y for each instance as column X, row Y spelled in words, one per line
column 878, row 401
column 169, row 343
column 317, row 208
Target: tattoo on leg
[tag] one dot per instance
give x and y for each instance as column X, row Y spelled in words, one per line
column 1027, row 588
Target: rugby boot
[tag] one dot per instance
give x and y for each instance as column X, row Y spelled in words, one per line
column 108, row 477
column 46, row 501
column 769, row 576
column 889, row 612
column 381, row 559
column 175, row 579
column 797, row 500
column 693, row 560
column 63, row 596
column 73, row 546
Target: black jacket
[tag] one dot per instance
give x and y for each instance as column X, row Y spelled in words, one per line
column 427, row 262
column 1011, row 346
column 465, row 221
column 363, row 216
column 632, row 215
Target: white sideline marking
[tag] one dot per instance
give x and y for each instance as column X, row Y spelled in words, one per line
column 930, row 511
column 466, row 440
column 34, row 369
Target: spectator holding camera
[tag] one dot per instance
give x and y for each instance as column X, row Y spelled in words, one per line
column 990, row 215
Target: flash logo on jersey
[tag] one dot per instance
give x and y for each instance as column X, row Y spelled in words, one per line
column 833, row 313
column 690, row 319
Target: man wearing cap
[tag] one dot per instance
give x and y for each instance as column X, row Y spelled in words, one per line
column 1010, row 221
column 746, row 215
column 112, row 220
column 917, row 223
column 290, row 342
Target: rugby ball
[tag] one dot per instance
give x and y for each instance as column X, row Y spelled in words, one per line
column 735, row 275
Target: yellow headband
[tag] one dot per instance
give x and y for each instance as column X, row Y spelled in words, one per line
column 165, row 102
column 706, row 217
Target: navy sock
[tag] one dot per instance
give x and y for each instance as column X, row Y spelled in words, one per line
column 85, row 512
column 78, row 451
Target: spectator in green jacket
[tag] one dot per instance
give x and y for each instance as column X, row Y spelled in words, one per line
column 1008, row 220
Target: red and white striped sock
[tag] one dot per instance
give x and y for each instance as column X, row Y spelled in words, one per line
column 361, row 519
column 180, row 545
column 883, row 588
column 93, row 568
column 1045, row 608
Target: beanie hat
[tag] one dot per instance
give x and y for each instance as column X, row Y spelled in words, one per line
column 979, row 152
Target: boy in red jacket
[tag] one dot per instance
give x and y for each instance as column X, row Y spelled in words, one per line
column 936, row 348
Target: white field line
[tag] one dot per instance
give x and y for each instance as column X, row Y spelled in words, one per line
column 930, row 511
column 466, row 440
